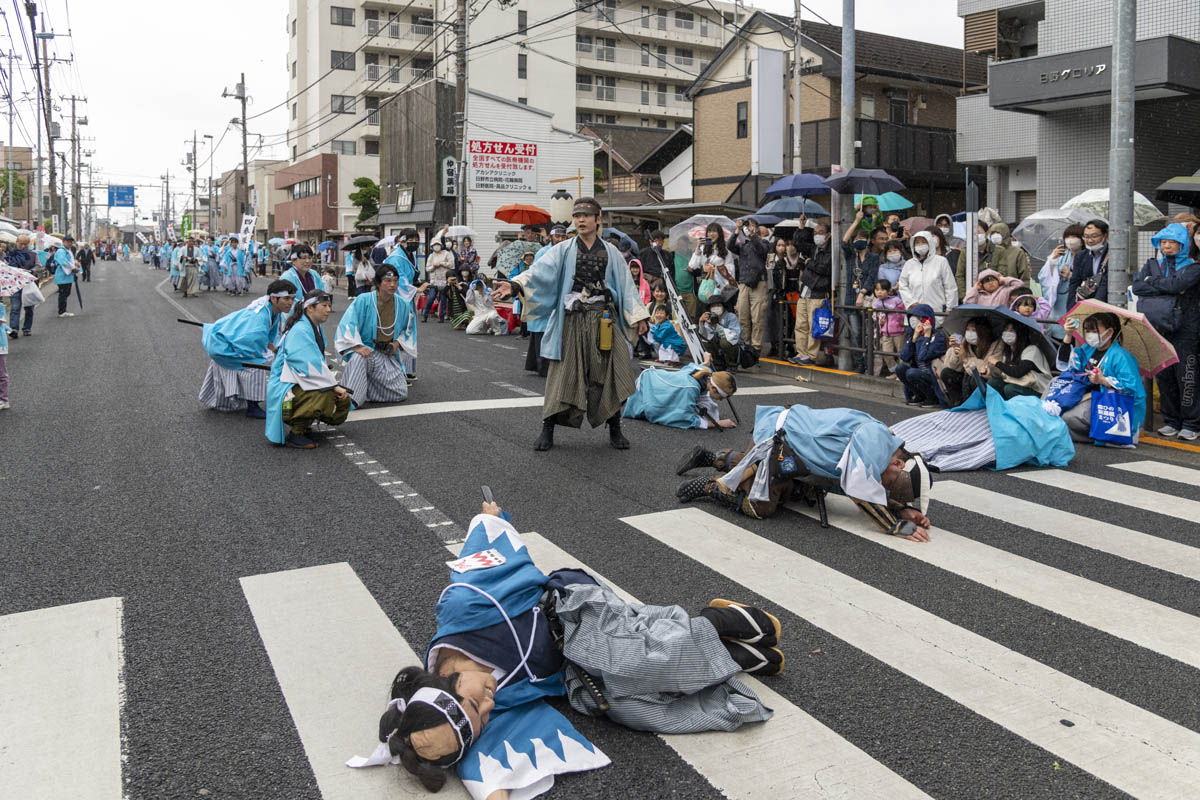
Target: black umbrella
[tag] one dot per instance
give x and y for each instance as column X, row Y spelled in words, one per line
column 864, row 181
column 360, row 241
column 998, row 317
column 1184, row 190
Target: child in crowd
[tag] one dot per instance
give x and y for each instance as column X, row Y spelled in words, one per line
column 1024, row 303
column 666, row 338
column 889, row 328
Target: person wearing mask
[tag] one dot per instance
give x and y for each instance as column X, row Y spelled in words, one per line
column 867, row 219
column 721, row 334
column 657, row 262
column 1055, row 277
column 927, row 277
column 468, row 266
column 713, row 262
column 816, row 281
column 779, row 271
column 1089, row 274
column 1004, row 255
column 1022, row 369
column 750, row 245
column 21, row 257
column 924, row 346
column 437, row 268
column 974, row 350
column 1107, row 365
column 953, row 257
column 1168, row 290
column 65, row 269
column 894, row 228
column 945, row 224
column 889, row 326
column 992, row 290
column 861, row 272
column 891, row 262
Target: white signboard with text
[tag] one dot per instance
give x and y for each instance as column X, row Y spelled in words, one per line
column 247, row 231
column 503, row 166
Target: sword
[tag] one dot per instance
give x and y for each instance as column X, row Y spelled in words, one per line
column 190, row 322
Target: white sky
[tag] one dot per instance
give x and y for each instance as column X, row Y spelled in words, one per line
column 153, row 71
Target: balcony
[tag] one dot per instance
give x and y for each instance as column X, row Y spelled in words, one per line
column 383, row 74
column 624, row 100
column 396, row 34
column 631, row 23
column 911, row 152
column 628, row 60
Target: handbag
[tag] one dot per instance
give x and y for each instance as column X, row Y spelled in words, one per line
column 1087, row 287
column 1067, row 389
column 822, row 322
column 31, row 296
column 708, row 288
column 1112, row 418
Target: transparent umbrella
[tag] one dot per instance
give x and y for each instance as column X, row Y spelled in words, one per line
column 1042, row 231
column 1095, row 202
column 687, row 234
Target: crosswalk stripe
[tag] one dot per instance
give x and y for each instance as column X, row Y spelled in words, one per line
column 1136, row 546
column 1156, row 627
column 1160, row 469
column 755, row 391
column 1111, row 492
column 790, row 756
column 334, row 653
column 60, row 701
column 1118, row 742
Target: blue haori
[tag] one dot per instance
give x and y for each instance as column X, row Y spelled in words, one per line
column 293, row 277
column 300, row 361
column 675, row 398
column 406, row 290
column 378, row 378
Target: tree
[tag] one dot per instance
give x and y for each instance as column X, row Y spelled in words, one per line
column 18, row 189
column 366, row 198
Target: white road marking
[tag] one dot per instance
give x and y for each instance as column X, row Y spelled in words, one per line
column 1142, row 548
column 1110, row 492
column 449, row 366
column 792, row 756
column 173, row 301
column 1160, row 469
column 521, row 390
column 446, row 407
column 334, row 653
column 505, row 346
column 1118, row 742
column 755, row 391
column 1156, row 627
column 61, row 679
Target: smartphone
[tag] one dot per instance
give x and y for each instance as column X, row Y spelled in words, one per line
column 707, row 241
column 487, row 495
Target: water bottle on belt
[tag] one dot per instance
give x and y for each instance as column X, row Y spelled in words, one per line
column 606, row 331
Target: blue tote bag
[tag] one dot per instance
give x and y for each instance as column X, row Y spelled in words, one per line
column 822, row 322
column 1112, row 417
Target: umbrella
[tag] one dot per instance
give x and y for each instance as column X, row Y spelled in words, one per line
column 797, row 185
column 888, row 201
column 625, row 240
column 866, row 181
column 199, row 234
column 13, row 280
column 276, row 242
column 1152, row 351
column 7, row 226
column 512, row 253
column 520, row 214
column 387, row 242
column 1095, row 202
column 997, row 317
column 459, row 231
column 793, row 207
column 914, row 224
column 1042, row 231
column 769, row 220
column 788, row 223
column 6, row 236
column 323, row 246
column 354, row 242
column 686, row 234
column 1184, row 190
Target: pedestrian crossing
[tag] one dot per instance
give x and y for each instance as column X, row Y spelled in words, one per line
column 334, row 650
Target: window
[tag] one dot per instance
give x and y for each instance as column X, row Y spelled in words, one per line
column 608, row 119
column 371, row 147
column 341, row 59
column 680, row 92
column 645, row 122
column 606, row 9
column 685, row 20
column 606, row 49
column 898, row 111
column 341, row 103
column 345, row 148
column 293, row 69
column 646, row 16
column 522, row 21
column 866, row 105
column 522, row 65
column 422, row 24
column 703, row 26
column 743, row 120
column 662, row 123
column 421, row 66
column 583, row 82
column 645, row 55
column 372, row 110
column 523, row 101
column 662, row 19
column 341, row 16
column 683, row 55
column 606, row 88
column 662, row 54
column 583, row 44
column 583, row 119
column 660, row 96
column 306, row 188
column 293, row 27
column 294, row 110
column 645, row 94
column 293, row 152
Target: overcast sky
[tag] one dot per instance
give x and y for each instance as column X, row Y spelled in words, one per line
column 153, row 72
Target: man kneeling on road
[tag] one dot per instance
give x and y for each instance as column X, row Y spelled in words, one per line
column 799, row 450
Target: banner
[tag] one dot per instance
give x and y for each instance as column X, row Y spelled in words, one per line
column 140, row 237
column 247, row 231
column 503, row 166
column 187, row 224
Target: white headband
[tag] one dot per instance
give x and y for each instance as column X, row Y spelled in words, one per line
column 312, row 301
column 443, row 701
column 281, row 294
column 720, row 393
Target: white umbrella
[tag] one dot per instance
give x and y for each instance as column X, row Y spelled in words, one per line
column 459, row 231
column 1095, row 202
column 685, row 236
column 1042, row 231
column 6, row 236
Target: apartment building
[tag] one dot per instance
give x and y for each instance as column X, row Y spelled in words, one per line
column 22, row 167
column 1041, row 123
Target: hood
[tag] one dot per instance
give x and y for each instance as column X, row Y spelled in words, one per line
column 1002, row 229
column 1176, row 231
column 869, row 200
column 929, row 239
column 990, row 273
column 921, row 310
column 947, row 217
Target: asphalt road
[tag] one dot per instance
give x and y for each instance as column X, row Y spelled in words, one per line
column 117, row 484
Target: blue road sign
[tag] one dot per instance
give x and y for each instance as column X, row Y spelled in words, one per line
column 120, row 195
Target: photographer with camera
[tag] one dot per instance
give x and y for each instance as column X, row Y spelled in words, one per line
column 1089, row 277
column 751, row 246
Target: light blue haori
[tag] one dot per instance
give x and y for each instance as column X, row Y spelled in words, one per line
column 300, row 361
column 234, row 262
column 550, row 279
column 406, row 291
column 64, row 266
column 291, row 276
column 243, row 335
column 668, row 397
column 360, row 322
column 1121, row 369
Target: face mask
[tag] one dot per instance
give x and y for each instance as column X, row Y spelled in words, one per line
column 996, row 238
column 921, row 249
column 818, row 239
column 894, row 257
column 1074, row 243
column 971, row 337
column 980, row 238
column 860, row 244
column 716, row 311
column 1008, row 337
column 945, row 231
column 1095, row 340
column 914, row 321
column 1097, row 247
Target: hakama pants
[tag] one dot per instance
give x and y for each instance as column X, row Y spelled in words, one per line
column 229, row 390
column 587, row 380
column 378, row 378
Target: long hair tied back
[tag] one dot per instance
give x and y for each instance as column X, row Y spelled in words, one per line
column 396, row 726
column 301, row 304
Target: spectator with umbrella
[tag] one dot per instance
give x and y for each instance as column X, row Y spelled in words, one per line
column 1104, row 363
column 862, row 270
column 358, row 258
column 1089, row 274
column 1055, row 275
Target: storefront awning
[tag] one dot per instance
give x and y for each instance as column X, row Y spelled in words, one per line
column 420, row 214
column 1167, row 66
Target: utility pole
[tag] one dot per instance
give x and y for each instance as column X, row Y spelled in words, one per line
column 76, row 198
column 48, row 102
column 1121, row 242
column 195, row 169
column 31, row 10
column 8, row 165
column 845, row 359
column 797, row 62
column 460, row 96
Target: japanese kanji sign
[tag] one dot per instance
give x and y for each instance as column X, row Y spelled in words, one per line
column 503, row 166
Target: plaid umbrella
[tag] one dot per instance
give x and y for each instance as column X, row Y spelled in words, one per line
column 1137, row 335
column 13, row 280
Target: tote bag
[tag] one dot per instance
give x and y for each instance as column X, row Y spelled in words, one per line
column 1112, row 417
column 1067, row 389
column 822, row 322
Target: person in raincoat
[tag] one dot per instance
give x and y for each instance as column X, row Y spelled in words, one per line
column 302, row 389
column 927, row 277
column 921, row 357
column 1004, row 255
column 797, row 449
column 584, row 289
column 368, row 339
column 486, row 319
column 1168, row 291
column 510, row 636
column 992, row 289
column 1107, row 365
column 686, row 398
column 246, row 336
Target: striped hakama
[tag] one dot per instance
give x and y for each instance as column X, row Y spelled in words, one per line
column 229, row 390
column 952, row 441
column 377, row 378
column 588, row 380
column 232, row 282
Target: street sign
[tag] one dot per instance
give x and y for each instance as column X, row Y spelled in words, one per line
column 120, row 195
column 449, row 177
column 54, row 223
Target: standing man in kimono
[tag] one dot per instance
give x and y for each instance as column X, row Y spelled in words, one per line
column 187, row 260
column 584, row 291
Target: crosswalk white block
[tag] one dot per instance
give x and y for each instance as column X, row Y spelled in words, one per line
column 1163, row 470
column 1105, row 492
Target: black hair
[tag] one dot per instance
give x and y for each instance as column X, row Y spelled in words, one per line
column 395, row 726
column 717, row 243
column 1099, row 225
column 657, row 234
column 883, row 283
column 1108, row 320
column 1012, row 354
column 983, row 329
column 382, row 271
column 281, row 286
column 936, row 232
column 298, row 309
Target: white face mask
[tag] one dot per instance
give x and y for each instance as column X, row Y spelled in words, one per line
column 1074, row 243
column 1097, row 247
column 996, row 238
column 980, row 238
column 894, row 257
column 914, row 322
column 945, row 231
column 1095, row 340
column 921, row 249
column 716, row 311
column 1009, row 337
column 818, row 239
column 971, row 337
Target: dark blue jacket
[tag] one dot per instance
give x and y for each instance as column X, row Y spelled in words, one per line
column 866, row 274
column 926, row 349
column 1081, row 270
column 21, row 259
